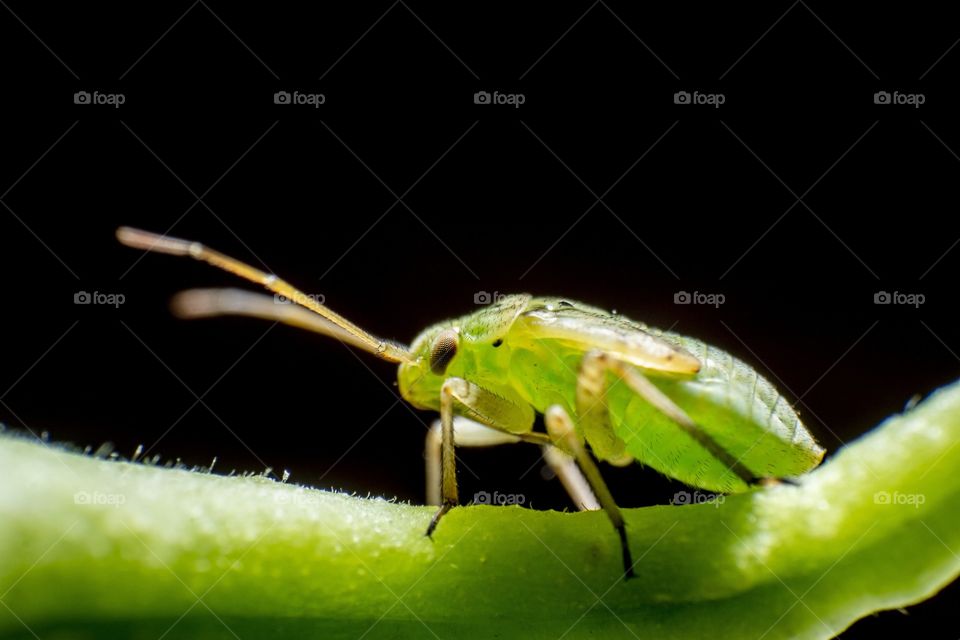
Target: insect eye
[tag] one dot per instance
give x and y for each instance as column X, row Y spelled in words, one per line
column 444, row 348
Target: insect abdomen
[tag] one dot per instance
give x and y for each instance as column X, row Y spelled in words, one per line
column 739, row 408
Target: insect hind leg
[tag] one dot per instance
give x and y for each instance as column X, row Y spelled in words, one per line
column 594, row 416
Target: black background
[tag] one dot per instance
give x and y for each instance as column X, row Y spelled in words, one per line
column 798, row 199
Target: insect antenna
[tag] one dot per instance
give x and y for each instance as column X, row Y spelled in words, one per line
column 338, row 327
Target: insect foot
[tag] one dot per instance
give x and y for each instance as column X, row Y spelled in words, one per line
column 446, row 506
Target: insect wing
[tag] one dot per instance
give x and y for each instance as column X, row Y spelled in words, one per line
column 586, row 329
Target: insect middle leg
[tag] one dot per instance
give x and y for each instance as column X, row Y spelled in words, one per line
column 596, row 428
column 562, row 432
column 468, row 433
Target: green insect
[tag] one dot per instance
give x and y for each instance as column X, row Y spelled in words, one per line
column 629, row 391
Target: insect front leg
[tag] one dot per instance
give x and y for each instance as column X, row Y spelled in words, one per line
column 483, row 406
column 594, row 417
column 466, row 433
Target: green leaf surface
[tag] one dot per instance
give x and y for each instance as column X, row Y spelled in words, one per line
column 99, row 548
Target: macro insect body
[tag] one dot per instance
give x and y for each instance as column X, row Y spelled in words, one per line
column 631, row 392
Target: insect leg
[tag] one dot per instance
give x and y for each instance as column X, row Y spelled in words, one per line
column 481, row 406
column 591, row 389
column 572, row 478
column 467, row 433
column 561, row 430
